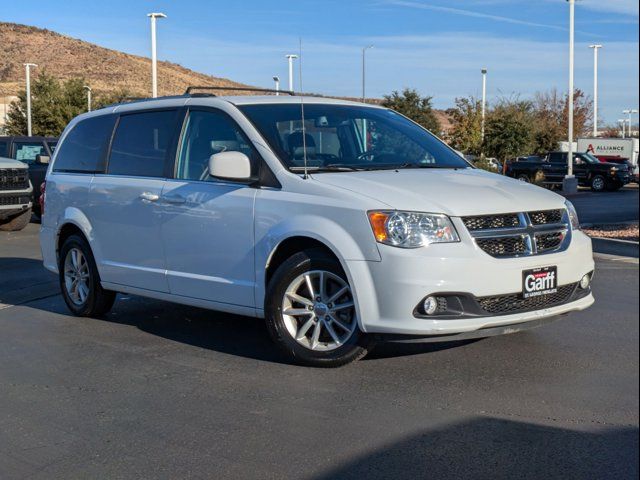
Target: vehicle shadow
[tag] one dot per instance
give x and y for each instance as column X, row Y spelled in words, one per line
column 494, row 448
column 25, row 281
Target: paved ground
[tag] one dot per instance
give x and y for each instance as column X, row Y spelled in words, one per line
column 162, row 391
column 608, row 207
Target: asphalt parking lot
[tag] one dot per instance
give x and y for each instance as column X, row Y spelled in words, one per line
column 156, row 390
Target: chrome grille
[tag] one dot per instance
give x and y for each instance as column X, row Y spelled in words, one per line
column 14, row 179
column 520, row 234
column 485, row 222
column 544, row 217
column 514, row 303
column 503, row 246
column 548, row 241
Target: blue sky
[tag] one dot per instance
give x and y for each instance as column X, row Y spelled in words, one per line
column 437, row 47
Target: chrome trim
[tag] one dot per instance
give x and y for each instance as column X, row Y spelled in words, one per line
column 528, row 231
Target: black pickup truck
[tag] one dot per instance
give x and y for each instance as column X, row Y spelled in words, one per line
column 550, row 171
column 35, row 152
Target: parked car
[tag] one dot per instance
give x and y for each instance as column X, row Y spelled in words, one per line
column 15, row 195
column 614, row 150
column 551, row 170
column 256, row 206
column 35, row 152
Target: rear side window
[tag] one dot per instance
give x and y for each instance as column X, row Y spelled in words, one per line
column 557, row 158
column 141, row 143
column 28, row 151
column 85, row 146
column 3, row 149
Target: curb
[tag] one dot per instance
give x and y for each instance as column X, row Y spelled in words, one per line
column 608, row 224
column 616, row 258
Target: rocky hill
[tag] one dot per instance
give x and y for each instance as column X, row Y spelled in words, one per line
column 104, row 69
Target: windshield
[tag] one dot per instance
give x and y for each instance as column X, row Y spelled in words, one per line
column 589, row 158
column 342, row 137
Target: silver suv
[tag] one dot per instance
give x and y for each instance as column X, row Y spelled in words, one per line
column 15, row 195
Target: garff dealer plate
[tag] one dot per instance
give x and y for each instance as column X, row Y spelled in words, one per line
column 539, row 281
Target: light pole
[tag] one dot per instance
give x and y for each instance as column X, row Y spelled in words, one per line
column 88, row 89
column 154, row 55
column 291, row 57
column 27, row 67
column 276, row 79
column 484, row 100
column 622, row 121
column 570, row 183
column 630, row 112
column 595, row 88
column 364, row 50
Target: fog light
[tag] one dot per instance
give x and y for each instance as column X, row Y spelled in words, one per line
column 430, row 305
column 585, row 282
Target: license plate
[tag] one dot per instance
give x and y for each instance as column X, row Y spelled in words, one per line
column 539, row 281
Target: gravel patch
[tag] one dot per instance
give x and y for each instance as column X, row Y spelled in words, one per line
column 619, row 232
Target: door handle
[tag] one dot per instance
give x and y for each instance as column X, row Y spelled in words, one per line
column 174, row 199
column 149, row 197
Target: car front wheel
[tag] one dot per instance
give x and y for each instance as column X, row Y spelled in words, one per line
column 598, row 183
column 310, row 312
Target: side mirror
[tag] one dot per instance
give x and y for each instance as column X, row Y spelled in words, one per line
column 234, row 166
column 42, row 159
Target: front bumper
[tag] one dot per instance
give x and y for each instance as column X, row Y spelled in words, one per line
column 388, row 291
column 14, row 202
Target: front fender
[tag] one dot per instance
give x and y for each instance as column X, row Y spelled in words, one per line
column 334, row 236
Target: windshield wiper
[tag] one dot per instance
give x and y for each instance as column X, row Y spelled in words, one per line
column 327, row 168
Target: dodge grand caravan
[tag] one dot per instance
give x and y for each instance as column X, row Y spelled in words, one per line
column 339, row 223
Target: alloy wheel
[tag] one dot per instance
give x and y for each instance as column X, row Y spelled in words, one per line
column 76, row 276
column 318, row 310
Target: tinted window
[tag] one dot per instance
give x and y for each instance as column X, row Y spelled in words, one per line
column 558, row 157
column 84, row 147
column 208, row 133
column 141, row 143
column 27, row 151
column 3, row 149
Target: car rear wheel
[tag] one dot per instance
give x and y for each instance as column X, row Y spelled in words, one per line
column 310, row 312
column 16, row 223
column 523, row 177
column 79, row 280
column 598, row 183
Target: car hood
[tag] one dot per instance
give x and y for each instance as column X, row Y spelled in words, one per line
column 453, row 192
column 10, row 163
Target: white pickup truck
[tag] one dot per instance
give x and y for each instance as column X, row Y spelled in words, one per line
column 15, row 195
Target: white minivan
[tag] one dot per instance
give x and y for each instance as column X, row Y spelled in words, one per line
column 340, row 223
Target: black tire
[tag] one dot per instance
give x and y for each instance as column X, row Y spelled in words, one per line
column 598, row 183
column 16, row 223
column 357, row 345
column 523, row 177
column 98, row 300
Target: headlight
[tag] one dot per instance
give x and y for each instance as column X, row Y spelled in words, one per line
column 573, row 215
column 412, row 229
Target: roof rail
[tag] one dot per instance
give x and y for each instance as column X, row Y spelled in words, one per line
column 190, row 90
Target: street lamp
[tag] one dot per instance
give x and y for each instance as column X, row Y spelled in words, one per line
column 364, row 50
column 27, row 67
column 595, row 88
column 570, row 183
column 291, row 57
column 630, row 112
column 88, row 89
column 276, row 79
column 154, row 55
column 622, row 121
column 484, row 99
